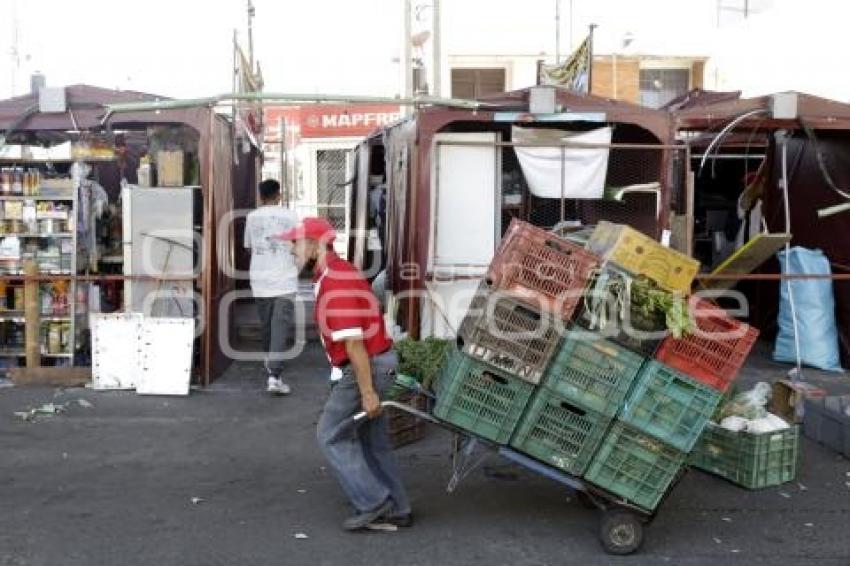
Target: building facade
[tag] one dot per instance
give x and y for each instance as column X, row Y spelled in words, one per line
column 309, row 150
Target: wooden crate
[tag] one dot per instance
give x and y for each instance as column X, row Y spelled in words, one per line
column 169, row 168
column 404, row 428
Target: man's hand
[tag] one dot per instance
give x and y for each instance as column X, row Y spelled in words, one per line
column 371, row 404
column 359, row 360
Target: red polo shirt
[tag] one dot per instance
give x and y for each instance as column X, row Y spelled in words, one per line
column 347, row 308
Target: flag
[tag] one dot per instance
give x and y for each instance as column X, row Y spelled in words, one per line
column 249, row 114
column 574, row 73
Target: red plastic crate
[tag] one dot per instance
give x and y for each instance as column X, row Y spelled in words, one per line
column 705, row 356
column 541, row 269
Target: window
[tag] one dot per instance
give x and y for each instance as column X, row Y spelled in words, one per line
column 475, row 83
column 660, row 86
column 330, row 186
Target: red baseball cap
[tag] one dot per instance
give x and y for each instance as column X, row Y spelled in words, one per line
column 310, row 228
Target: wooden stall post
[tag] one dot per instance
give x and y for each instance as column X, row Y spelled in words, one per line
column 32, row 324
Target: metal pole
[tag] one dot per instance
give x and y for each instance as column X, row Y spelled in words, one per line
column 234, row 72
column 437, row 51
column 563, row 182
column 285, row 99
column 590, row 58
column 614, row 75
column 406, row 54
column 557, row 32
column 251, row 35
column 281, row 128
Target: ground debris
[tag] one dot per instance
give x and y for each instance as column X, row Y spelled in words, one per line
column 45, row 411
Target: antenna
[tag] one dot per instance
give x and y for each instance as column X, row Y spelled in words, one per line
column 14, row 51
column 251, row 13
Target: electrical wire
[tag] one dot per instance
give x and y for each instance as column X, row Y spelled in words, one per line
column 725, row 131
column 822, row 161
column 782, row 137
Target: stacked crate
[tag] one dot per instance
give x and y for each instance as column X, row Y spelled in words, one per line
column 512, row 331
column 532, row 371
column 677, row 388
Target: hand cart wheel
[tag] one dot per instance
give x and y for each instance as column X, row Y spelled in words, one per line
column 621, row 532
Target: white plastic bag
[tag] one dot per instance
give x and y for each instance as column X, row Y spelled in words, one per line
column 750, row 404
column 766, row 424
column 735, row 424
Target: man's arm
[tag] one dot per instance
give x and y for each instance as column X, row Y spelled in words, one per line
column 358, row 357
column 246, row 239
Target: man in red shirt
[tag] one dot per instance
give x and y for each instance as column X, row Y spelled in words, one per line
column 354, row 337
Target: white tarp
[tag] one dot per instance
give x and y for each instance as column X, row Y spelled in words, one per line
column 584, row 169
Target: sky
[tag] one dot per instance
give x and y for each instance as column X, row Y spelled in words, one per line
column 182, row 48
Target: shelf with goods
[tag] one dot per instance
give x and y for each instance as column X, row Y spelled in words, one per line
column 38, row 227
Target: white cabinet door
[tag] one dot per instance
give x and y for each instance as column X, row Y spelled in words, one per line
column 158, row 241
column 464, row 194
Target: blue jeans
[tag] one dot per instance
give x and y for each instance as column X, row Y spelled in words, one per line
column 277, row 320
column 360, row 455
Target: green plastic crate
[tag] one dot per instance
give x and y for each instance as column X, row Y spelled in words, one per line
column 669, row 405
column 634, row 466
column 592, row 372
column 753, row 461
column 479, row 398
column 560, row 433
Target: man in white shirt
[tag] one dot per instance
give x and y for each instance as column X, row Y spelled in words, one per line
column 274, row 278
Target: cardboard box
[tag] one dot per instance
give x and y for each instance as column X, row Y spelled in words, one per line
column 169, row 168
column 787, row 398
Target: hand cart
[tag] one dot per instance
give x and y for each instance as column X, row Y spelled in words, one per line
column 621, row 526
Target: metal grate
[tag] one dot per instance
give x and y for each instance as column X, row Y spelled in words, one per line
column 331, row 168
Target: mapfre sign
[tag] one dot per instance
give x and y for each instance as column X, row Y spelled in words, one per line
column 338, row 121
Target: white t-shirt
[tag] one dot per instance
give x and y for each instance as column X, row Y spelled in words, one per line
column 273, row 270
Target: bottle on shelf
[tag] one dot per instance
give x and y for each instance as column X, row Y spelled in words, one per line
column 59, row 299
column 47, row 299
column 6, row 180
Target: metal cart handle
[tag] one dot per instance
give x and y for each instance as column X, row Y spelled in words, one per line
column 401, row 406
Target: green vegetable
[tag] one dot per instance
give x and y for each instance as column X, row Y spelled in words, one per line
column 421, row 359
column 638, row 295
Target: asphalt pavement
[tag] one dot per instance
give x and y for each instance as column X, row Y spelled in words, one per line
column 231, row 476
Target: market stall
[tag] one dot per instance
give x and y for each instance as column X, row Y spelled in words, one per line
column 116, row 214
column 742, row 151
column 543, row 155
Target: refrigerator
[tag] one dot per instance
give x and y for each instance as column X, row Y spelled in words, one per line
column 159, row 240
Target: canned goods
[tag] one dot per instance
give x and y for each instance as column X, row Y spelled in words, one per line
column 54, row 338
column 19, row 299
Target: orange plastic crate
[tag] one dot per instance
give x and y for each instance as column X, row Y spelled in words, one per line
column 715, row 352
